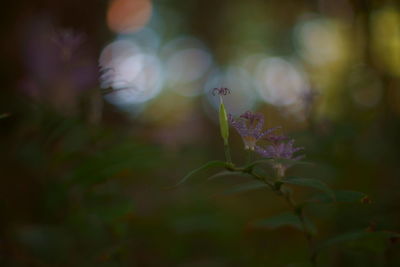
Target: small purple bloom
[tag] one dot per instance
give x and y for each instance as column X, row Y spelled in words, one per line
column 280, row 150
column 221, row 91
column 273, row 138
column 250, row 127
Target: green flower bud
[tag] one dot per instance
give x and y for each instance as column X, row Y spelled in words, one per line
column 223, row 123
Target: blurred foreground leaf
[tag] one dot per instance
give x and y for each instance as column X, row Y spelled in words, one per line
column 4, row 115
column 113, row 211
column 313, row 183
column 97, row 168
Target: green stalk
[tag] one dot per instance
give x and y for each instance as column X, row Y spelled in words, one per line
column 249, row 156
column 298, row 211
column 300, row 215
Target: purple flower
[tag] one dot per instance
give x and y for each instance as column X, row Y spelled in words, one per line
column 279, row 149
column 274, row 138
column 250, row 127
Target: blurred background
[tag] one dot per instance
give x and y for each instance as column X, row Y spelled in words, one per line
column 106, row 104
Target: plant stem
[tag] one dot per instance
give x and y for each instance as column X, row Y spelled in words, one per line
column 298, row 211
column 249, row 156
column 277, row 188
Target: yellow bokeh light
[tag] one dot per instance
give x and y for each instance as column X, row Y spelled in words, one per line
column 386, row 38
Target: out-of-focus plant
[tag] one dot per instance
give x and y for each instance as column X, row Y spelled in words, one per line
column 61, row 71
column 4, row 115
column 279, row 153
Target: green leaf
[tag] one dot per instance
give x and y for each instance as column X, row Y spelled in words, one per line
column 313, row 183
column 226, row 173
column 286, row 219
column 245, row 187
column 360, row 237
column 341, row 239
column 292, row 162
column 215, row 163
column 254, row 163
column 340, row 196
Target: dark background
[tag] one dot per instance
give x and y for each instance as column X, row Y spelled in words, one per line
column 84, row 182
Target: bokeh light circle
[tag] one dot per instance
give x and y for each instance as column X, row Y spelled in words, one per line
column 187, row 62
column 280, row 82
column 143, row 85
column 321, row 41
column 135, row 76
column 188, row 65
column 128, row 16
